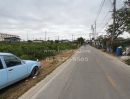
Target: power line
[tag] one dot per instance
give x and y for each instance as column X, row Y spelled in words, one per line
column 104, row 18
column 100, row 9
column 45, row 35
column 107, row 13
column 106, row 24
column 111, row 2
column 98, row 14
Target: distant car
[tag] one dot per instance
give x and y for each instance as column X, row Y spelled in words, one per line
column 13, row 69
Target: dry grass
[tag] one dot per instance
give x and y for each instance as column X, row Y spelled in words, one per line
column 16, row 90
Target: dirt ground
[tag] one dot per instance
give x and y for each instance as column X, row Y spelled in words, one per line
column 47, row 66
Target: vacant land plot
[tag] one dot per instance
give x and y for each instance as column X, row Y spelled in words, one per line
column 36, row 50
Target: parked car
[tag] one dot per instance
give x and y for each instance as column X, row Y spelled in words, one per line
column 13, row 69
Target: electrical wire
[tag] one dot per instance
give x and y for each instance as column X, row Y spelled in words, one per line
column 100, row 9
column 107, row 23
column 111, row 2
column 105, row 17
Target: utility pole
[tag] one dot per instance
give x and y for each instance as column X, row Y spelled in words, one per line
column 48, row 38
column 45, row 35
column 92, row 28
column 114, row 19
column 95, row 35
column 58, row 38
column 90, row 36
column 27, row 36
column 72, row 38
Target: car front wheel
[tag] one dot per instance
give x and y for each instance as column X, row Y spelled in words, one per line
column 34, row 72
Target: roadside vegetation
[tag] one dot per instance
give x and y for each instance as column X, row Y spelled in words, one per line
column 36, row 50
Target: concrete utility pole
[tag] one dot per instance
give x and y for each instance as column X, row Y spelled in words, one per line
column 72, row 38
column 27, row 36
column 45, row 35
column 95, row 34
column 58, row 38
column 48, row 38
column 92, row 28
column 114, row 19
column 90, row 36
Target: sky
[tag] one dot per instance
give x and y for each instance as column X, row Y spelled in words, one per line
column 32, row 19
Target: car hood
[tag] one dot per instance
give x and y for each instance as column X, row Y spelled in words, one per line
column 31, row 62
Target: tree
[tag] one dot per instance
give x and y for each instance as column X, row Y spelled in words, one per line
column 104, row 41
column 127, row 20
column 81, row 40
column 122, row 23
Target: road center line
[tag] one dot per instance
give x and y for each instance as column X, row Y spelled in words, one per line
column 111, row 81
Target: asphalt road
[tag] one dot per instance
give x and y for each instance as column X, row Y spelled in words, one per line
column 90, row 74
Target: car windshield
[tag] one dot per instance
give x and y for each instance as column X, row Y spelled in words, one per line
column 1, row 65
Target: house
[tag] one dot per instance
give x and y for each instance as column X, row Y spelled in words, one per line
column 12, row 39
column 9, row 38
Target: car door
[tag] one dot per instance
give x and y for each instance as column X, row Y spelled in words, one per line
column 3, row 75
column 15, row 68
